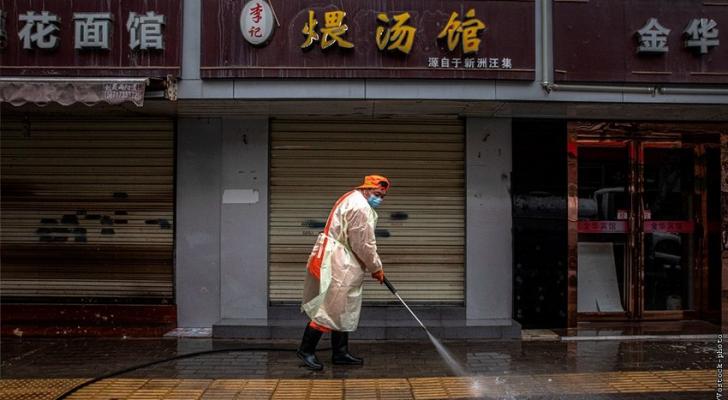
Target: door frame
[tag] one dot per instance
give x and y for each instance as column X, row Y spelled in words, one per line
column 635, row 137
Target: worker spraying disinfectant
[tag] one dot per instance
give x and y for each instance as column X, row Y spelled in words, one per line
column 335, row 272
column 335, row 275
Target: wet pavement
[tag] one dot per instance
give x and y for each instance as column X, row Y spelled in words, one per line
column 530, row 369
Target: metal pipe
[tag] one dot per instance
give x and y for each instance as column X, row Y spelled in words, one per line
column 707, row 91
column 651, row 90
column 413, row 314
column 394, row 292
column 546, row 64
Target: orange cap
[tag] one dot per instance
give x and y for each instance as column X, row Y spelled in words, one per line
column 375, row 182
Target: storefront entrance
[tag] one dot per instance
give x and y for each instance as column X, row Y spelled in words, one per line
column 420, row 235
column 644, row 221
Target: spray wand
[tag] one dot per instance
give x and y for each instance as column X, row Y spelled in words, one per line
column 444, row 353
column 394, row 292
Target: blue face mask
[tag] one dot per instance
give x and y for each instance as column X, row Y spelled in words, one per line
column 374, row 201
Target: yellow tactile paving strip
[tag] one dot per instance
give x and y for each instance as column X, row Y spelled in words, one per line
column 404, row 388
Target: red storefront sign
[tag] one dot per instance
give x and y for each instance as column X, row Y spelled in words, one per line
column 90, row 38
column 487, row 39
column 676, row 41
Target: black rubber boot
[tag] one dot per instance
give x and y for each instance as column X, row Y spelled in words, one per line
column 340, row 350
column 307, row 350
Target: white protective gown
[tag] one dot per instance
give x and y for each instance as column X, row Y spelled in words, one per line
column 347, row 254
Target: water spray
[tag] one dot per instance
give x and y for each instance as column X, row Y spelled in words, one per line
column 476, row 389
column 444, row 353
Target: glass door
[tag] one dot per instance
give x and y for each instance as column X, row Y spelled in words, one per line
column 643, row 223
column 603, row 251
column 668, row 208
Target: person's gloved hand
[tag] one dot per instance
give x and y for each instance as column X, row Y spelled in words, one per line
column 379, row 275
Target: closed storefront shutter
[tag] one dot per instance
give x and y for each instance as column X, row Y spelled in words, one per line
column 421, row 229
column 87, row 210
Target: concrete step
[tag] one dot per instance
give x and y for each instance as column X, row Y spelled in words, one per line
column 376, row 322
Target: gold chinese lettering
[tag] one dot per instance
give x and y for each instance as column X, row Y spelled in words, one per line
column 334, row 27
column 310, row 30
column 331, row 32
column 452, row 31
column 471, row 28
column 463, row 32
column 398, row 37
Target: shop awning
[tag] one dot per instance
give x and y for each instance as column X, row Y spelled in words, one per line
column 66, row 91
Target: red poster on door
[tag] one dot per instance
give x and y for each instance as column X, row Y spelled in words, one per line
column 602, row 226
column 669, row 226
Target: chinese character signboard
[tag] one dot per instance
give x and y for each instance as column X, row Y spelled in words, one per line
column 256, row 21
column 485, row 39
column 90, row 37
column 657, row 41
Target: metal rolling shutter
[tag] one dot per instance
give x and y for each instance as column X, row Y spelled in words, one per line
column 421, row 229
column 87, row 210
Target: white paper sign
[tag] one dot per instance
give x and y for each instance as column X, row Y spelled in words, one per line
column 597, row 286
column 240, row 196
